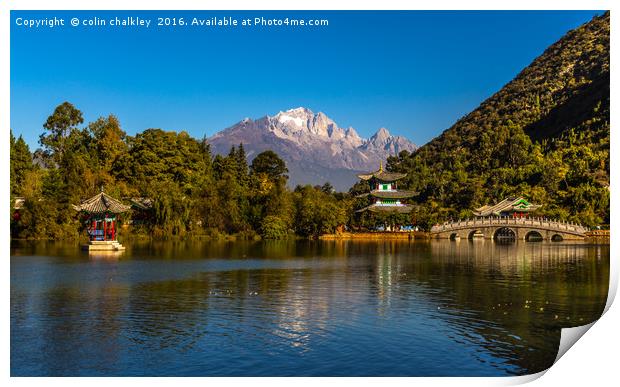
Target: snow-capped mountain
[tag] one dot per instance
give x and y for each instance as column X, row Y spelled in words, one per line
column 314, row 147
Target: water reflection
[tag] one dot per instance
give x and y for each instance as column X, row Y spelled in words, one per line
column 301, row 308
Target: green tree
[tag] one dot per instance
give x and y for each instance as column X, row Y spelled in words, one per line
column 58, row 126
column 21, row 163
column 109, row 140
column 316, row 212
column 269, row 197
column 270, row 164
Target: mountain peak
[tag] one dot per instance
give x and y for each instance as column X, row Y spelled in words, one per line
column 314, row 147
column 382, row 134
column 383, row 142
column 299, row 122
column 300, row 109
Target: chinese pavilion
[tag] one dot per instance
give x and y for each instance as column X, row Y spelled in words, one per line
column 385, row 193
column 517, row 207
column 100, row 214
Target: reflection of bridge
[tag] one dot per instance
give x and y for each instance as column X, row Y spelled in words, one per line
column 509, row 228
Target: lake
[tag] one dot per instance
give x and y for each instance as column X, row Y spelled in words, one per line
column 303, row 308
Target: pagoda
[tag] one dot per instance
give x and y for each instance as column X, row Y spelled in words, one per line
column 516, row 207
column 385, row 193
column 100, row 218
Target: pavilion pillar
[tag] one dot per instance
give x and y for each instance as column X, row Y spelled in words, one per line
column 104, row 228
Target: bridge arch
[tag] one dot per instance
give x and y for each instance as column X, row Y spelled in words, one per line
column 475, row 234
column 505, row 234
column 455, row 236
column 533, row 236
column 557, row 238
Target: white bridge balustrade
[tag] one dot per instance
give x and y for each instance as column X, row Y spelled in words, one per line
column 522, row 228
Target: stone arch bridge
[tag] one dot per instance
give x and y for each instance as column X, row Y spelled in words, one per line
column 527, row 229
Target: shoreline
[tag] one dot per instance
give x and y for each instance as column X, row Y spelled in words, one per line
column 381, row 235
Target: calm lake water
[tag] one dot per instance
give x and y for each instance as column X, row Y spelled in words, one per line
column 305, row 308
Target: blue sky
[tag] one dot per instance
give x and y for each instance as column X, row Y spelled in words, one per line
column 414, row 73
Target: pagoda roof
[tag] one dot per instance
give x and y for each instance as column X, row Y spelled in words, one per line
column 101, row 203
column 18, row 204
column 400, row 209
column 517, row 204
column 398, row 194
column 141, row 203
column 382, row 175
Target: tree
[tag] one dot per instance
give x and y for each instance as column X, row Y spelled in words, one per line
column 157, row 155
column 21, row 163
column 109, row 140
column 327, row 188
column 269, row 197
column 241, row 163
column 270, row 164
column 316, row 212
column 273, row 227
column 58, row 126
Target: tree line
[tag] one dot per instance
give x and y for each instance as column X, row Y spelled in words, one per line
column 191, row 191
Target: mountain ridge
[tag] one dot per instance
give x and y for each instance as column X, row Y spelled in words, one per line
column 315, row 148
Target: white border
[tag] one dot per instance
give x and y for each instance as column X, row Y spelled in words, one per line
column 312, row 5
column 593, row 361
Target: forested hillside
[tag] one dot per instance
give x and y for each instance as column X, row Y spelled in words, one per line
column 545, row 135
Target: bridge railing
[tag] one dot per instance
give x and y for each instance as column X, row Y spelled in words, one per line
column 536, row 222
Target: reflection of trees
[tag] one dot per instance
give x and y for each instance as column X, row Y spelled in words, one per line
column 66, row 250
column 270, row 249
column 78, row 331
column 515, row 297
column 565, row 280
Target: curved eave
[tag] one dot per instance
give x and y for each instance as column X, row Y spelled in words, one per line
column 102, row 210
column 100, row 204
column 365, row 176
column 532, row 208
column 510, row 204
column 382, row 175
column 393, row 194
column 141, row 204
column 98, row 212
column 402, row 209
